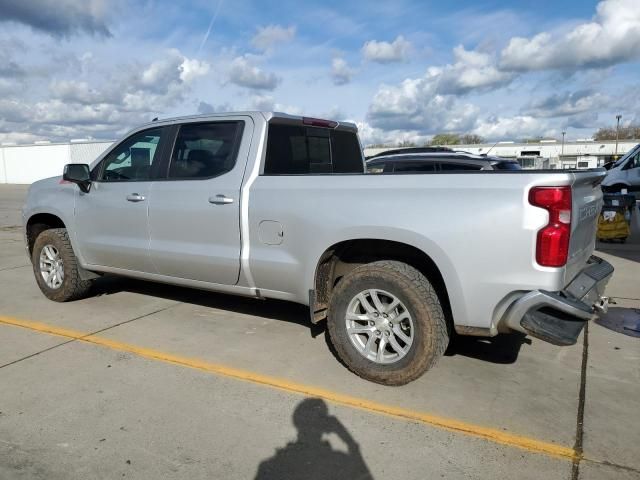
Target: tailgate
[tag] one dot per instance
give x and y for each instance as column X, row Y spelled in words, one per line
column 587, row 203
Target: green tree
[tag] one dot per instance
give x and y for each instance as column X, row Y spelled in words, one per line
column 471, row 139
column 446, row 139
column 630, row 132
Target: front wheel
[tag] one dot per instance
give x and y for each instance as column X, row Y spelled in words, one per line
column 386, row 323
column 56, row 267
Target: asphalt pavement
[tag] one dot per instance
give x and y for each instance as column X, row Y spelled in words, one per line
column 151, row 381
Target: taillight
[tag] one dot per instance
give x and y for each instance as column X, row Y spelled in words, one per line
column 552, row 248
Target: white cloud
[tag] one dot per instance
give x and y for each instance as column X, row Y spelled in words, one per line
column 58, row 17
column 9, row 68
column 376, row 136
column 192, row 68
column 568, row 103
column 162, row 84
column 385, row 52
column 268, row 37
column 266, row 103
column 612, row 37
column 429, row 104
column 416, row 105
column 160, row 73
column 130, row 95
column 245, row 74
column 205, row 107
column 74, row 91
column 341, row 72
column 472, row 70
column 17, row 137
column 7, row 86
column 513, row 128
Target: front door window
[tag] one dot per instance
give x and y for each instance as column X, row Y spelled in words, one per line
column 135, row 159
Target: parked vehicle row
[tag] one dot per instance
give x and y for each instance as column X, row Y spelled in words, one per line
column 623, row 174
column 429, row 162
column 269, row 205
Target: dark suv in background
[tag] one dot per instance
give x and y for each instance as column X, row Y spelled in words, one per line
column 416, row 161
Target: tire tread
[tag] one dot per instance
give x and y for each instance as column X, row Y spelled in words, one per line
column 74, row 286
column 435, row 331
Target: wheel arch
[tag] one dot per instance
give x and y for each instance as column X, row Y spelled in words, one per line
column 38, row 223
column 342, row 257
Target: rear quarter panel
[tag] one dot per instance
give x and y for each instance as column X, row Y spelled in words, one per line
column 477, row 227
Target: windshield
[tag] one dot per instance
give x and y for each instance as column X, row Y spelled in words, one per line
column 626, row 155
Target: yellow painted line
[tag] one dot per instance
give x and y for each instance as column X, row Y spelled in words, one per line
column 478, row 431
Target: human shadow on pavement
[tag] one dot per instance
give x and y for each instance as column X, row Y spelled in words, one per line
column 311, row 456
column 502, row 349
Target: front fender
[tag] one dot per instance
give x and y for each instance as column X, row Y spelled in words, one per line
column 51, row 197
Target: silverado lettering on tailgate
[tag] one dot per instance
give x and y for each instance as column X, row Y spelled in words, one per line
column 587, row 211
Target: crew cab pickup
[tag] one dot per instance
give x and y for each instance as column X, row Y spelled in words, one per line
column 270, row 205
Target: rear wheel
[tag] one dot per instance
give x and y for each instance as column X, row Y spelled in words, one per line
column 56, row 267
column 386, row 323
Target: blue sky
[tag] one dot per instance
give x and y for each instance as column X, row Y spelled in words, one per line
column 403, row 70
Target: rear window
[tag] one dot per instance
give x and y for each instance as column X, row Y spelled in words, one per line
column 507, row 166
column 446, row 167
column 299, row 150
column 408, row 167
column 375, row 167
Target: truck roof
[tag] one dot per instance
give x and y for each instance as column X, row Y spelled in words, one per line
column 266, row 114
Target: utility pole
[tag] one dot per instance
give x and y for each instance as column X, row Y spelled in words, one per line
column 618, row 117
column 562, row 149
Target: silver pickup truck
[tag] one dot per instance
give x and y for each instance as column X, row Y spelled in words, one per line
column 270, row 205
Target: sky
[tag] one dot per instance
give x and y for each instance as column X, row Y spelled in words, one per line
column 402, row 70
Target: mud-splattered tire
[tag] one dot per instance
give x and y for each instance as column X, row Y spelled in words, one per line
column 430, row 336
column 71, row 286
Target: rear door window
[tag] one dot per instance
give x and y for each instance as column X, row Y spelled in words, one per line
column 205, row 150
column 299, row 150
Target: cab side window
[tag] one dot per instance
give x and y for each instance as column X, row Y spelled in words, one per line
column 205, row 150
column 134, row 159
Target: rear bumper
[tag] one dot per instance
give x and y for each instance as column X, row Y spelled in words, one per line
column 559, row 317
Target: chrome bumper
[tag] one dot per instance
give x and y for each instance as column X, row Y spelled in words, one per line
column 582, row 300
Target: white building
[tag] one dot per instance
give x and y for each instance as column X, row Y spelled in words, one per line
column 28, row 163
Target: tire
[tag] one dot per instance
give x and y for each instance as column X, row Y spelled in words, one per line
column 430, row 335
column 71, row 286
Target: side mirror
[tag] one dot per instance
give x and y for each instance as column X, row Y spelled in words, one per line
column 79, row 174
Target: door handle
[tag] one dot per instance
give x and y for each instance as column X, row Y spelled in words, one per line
column 220, row 200
column 135, row 197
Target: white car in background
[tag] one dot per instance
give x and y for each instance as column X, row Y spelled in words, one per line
column 625, row 173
